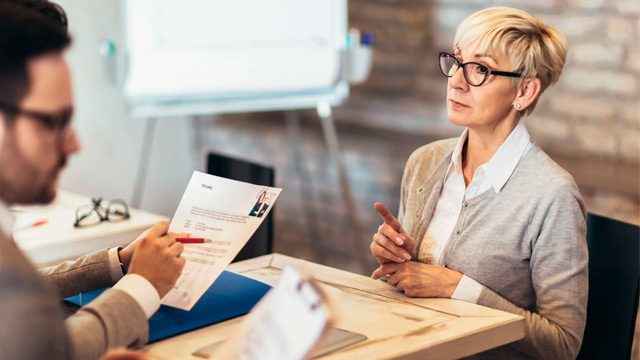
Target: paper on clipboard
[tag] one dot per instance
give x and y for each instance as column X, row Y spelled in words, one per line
column 225, row 213
column 286, row 324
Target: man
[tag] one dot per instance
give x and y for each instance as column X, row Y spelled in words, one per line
column 36, row 138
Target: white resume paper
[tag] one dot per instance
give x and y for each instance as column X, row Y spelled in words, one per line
column 225, row 213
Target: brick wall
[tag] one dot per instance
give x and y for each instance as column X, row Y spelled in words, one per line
column 593, row 111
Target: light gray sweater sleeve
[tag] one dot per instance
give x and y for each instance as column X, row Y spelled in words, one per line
column 559, row 270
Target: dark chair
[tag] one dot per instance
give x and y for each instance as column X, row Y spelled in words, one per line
column 614, row 275
column 261, row 242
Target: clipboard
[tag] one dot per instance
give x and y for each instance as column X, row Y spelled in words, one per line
column 290, row 322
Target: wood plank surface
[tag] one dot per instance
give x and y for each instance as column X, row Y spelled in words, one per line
column 396, row 326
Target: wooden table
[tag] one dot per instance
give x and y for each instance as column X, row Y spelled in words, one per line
column 59, row 240
column 396, row 326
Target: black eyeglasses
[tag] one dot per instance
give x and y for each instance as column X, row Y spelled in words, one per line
column 56, row 121
column 475, row 74
column 94, row 214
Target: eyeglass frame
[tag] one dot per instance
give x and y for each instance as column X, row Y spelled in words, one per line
column 57, row 121
column 464, row 71
column 96, row 207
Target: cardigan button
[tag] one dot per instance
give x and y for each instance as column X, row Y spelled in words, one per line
column 465, row 204
column 457, row 231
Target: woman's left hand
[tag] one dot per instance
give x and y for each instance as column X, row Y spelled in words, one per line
column 417, row 279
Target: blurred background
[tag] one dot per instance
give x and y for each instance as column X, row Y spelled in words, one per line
column 589, row 122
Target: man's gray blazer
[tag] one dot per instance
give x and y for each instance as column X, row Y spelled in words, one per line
column 31, row 321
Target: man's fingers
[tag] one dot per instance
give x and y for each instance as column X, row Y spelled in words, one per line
column 388, row 217
column 168, row 240
column 158, row 230
column 163, row 241
column 144, row 233
column 181, row 235
column 176, row 249
column 124, row 354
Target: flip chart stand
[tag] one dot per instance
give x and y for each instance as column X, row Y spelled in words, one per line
column 355, row 67
column 328, row 128
column 325, row 115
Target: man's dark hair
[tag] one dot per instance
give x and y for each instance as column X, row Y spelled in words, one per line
column 47, row 8
column 28, row 29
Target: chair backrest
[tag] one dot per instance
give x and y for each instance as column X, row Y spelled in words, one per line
column 614, row 274
column 261, row 243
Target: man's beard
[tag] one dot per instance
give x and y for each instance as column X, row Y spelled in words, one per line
column 19, row 179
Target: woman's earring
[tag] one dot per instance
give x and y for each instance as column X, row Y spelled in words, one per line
column 518, row 106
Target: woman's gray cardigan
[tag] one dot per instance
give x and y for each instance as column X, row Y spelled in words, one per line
column 526, row 245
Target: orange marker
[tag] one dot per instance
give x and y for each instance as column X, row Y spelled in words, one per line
column 39, row 222
column 32, row 225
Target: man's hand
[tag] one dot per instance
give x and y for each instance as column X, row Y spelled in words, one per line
column 417, row 279
column 124, row 354
column 391, row 243
column 157, row 258
column 127, row 253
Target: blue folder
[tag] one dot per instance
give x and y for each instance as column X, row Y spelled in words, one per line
column 231, row 295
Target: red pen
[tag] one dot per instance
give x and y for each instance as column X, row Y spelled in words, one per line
column 190, row 240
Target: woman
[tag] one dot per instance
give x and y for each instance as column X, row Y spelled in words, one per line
column 489, row 218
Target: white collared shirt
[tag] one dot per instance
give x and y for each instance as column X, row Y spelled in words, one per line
column 135, row 285
column 492, row 175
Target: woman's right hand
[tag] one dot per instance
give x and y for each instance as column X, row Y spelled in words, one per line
column 391, row 243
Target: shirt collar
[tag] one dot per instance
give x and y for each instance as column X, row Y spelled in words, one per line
column 499, row 169
column 501, row 166
column 7, row 220
column 456, row 156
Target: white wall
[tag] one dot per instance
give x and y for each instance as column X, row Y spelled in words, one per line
column 112, row 141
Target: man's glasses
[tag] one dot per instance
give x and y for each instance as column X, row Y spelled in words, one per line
column 55, row 121
column 475, row 74
column 94, row 214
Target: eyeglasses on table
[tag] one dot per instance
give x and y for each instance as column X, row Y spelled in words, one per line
column 95, row 213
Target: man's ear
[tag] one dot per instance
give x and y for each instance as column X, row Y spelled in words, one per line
column 527, row 93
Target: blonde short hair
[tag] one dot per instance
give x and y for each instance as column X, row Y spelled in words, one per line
column 534, row 49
